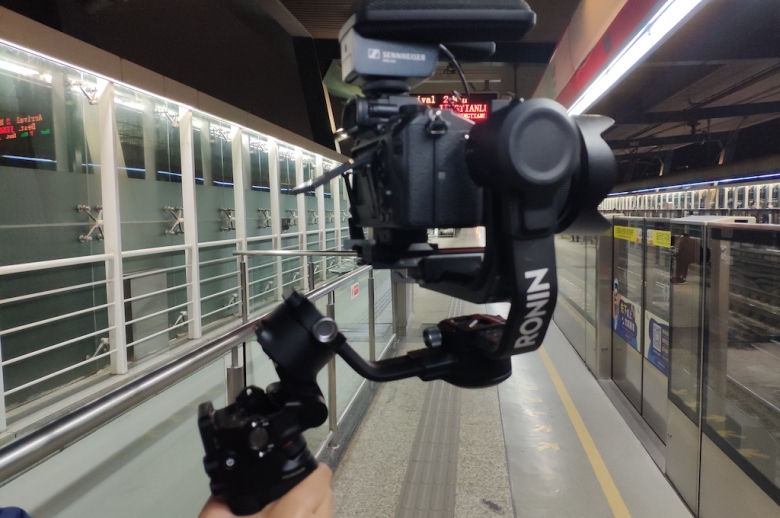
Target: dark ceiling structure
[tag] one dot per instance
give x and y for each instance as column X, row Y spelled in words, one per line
column 708, row 96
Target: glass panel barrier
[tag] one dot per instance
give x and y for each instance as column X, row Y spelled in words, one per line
column 49, row 159
column 627, row 306
column 311, row 218
column 591, row 277
column 55, row 322
column 147, row 462
column 383, row 310
column 220, row 283
column 149, row 170
column 37, row 359
column 50, row 191
column 288, row 203
column 258, row 187
column 570, row 256
column 292, row 267
column 685, row 317
column 155, row 287
column 330, row 215
column 262, row 277
column 741, row 404
column 655, row 325
column 658, row 261
column 575, row 315
column 212, row 142
column 352, row 319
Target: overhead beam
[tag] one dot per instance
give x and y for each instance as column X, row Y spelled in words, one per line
column 662, row 141
column 251, row 10
column 523, row 52
column 754, row 167
column 699, row 114
column 652, row 155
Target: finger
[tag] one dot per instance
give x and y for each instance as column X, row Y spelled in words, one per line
column 315, row 488
column 326, row 509
column 308, row 496
column 215, row 509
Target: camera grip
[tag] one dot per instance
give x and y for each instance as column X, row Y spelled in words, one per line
column 244, row 501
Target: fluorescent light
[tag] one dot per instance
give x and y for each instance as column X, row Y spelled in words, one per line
column 30, row 159
column 666, row 19
column 18, row 69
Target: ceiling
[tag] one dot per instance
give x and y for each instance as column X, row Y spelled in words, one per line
column 703, row 96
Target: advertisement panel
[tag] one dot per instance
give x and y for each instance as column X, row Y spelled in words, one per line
column 657, row 342
column 625, row 319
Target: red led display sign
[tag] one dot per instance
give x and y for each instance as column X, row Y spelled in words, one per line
column 475, row 106
column 22, row 126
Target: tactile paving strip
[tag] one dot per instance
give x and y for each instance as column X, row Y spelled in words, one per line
column 432, row 474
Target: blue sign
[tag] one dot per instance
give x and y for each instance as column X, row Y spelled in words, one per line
column 657, row 342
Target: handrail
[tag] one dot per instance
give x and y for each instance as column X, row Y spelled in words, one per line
column 296, row 253
column 28, row 451
column 12, row 269
column 320, row 292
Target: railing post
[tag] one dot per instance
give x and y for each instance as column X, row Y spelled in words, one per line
column 333, row 415
column 335, row 190
column 112, row 230
column 303, row 219
column 310, row 261
column 239, row 197
column 190, row 214
column 235, row 373
column 321, row 220
column 243, row 266
column 371, row 318
column 401, row 307
column 2, row 390
column 276, row 211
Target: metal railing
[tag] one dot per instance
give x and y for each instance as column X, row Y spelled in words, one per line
column 30, row 450
column 111, row 344
column 76, row 307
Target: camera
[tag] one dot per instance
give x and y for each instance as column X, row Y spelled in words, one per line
column 526, row 173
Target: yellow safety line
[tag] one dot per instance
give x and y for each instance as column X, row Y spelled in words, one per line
column 608, row 486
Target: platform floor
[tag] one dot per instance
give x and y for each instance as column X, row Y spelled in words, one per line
column 548, row 442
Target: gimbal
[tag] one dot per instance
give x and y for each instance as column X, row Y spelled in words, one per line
column 527, row 173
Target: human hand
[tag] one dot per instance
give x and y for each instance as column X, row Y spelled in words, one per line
column 312, row 498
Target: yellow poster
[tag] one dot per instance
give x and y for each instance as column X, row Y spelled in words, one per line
column 632, row 234
column 659, row 238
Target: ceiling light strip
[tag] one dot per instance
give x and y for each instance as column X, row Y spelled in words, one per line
column 712, row 183
column 659, row 27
